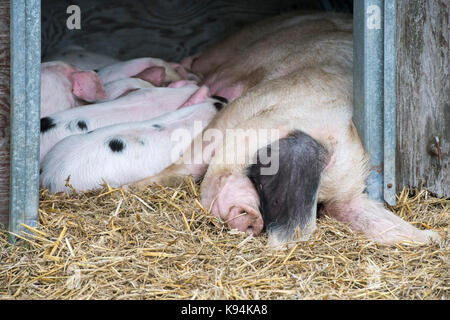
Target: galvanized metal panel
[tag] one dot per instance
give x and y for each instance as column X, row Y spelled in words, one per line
column 368, row 90
column 390, row 101
column 25, row 113
column 375, row 91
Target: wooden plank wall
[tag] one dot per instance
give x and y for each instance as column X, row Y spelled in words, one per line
column 423, row 98
column 4, row 111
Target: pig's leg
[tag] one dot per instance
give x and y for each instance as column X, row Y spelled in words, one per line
column 288, row 196
column 367, row 216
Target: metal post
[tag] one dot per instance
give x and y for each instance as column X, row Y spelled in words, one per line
column 390, row 97
column 374, row 91
column 25, row 113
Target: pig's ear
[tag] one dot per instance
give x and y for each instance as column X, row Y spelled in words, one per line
column 87, row 86
column 286, row 175
column 154, row 75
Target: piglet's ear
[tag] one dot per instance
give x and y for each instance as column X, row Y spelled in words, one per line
column 87, row 86
column 154, row 75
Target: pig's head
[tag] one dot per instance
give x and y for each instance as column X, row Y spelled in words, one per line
column 233, row 198
column 64, row 86
column 288, row 196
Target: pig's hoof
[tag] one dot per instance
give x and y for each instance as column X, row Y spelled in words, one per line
column 135, row 186
column 127, row 187
column 431, row 237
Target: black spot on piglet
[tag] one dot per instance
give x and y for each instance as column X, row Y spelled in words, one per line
column 288, row 196
column 221, row 99
column 82, row 125
column 116, row 145
column 158, row 127
column 218, row 106
column 46, row 124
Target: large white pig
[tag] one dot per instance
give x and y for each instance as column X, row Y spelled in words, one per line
column 299, row 85
column 267, row 50
column 142, row 104
column 124, row 153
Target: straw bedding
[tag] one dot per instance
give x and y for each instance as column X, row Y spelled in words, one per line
column 161, row 244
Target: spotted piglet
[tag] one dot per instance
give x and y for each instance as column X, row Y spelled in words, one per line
column 124, row 153
column 143, row 104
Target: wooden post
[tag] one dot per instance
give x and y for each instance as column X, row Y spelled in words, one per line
column 423, row 95
column 4, row 111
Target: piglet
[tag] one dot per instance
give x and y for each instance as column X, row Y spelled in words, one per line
column 143, row 104
column 157, row 71
column 81, row 58
column 64, row 86
column 124, row 153
column 119, row 88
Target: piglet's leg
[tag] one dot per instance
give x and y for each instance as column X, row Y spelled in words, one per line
column 367, row 216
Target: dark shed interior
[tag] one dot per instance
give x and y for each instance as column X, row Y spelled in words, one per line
column 167, row 29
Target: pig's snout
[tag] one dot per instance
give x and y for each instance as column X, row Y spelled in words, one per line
column 235, row 200
column 245, row 219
